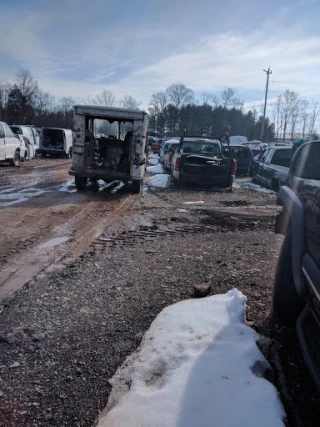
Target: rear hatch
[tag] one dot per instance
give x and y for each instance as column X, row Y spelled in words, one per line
column 53, row 139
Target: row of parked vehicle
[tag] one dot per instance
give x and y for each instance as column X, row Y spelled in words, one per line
column 23, row 142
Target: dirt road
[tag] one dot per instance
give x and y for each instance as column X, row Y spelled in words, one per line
column 64, row 333
column 45, row 223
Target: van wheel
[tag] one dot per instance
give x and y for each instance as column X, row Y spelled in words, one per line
column 287, row 304
column 16, row 160
column 136, row 186
column 80, row 182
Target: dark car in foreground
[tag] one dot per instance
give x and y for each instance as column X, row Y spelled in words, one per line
column 296, row 297
column 271, row 167
column 203, row 161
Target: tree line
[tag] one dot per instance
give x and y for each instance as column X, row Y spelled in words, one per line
column 171, row 112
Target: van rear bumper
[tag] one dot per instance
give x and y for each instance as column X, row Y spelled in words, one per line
column 100, row 174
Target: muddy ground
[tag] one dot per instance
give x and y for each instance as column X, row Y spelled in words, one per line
column 72, row 320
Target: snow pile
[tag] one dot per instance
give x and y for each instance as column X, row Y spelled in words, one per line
column 160, row 181
column 199, row 202
column 153, row 156
column 156, row 169
column 256, row 187
column 153, row 162
column 197, row 366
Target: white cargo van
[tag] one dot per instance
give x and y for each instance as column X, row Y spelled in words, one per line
column 9, row 146
column 29, row 133
column 110, row 144
column 56, row 141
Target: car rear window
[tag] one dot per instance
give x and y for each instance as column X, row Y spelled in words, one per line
column 307, row 162
column 200, row 147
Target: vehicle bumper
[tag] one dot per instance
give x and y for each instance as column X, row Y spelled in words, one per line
column 100, row 174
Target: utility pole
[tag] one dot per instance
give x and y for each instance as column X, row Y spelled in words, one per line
column 268, row 72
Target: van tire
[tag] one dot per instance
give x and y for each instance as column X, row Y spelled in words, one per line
column 287, row 304
column 80, row 182
column 16, row 160
column 136, row 186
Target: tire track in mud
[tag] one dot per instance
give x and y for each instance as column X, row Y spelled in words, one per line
column 67, row 242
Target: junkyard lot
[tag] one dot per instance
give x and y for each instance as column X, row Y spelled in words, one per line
column 93, row 313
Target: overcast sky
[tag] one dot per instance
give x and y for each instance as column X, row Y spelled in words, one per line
column 139, row 47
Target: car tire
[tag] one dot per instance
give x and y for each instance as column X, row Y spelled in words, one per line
column 80, row 182
column 287, row 304
column 16, row 160
column 275, row 185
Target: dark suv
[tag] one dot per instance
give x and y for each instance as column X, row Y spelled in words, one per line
column 296, row 297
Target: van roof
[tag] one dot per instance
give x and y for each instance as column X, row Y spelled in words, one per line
column 95, row 109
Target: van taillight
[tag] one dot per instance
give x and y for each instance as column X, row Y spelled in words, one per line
column 234, row 167
column 177, row 165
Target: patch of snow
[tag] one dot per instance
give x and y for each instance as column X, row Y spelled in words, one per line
column 182, row 210
column 197, row 365
column 256, row 187
column 156, row 169
column 153, row 162
column 154, row 156
column 199, row 202
column 160, row 181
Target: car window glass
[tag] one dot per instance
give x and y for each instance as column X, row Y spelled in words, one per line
column 264, row 156
column 8, row 131
column 1, row 131
column 307, row 162
column 281, row 158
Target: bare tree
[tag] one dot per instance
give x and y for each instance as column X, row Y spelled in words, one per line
column 105, row 98
column 44, row 102
column 289, row 103
column 129, row 102
column 27, row 85
column 304, row 115
column 180, row 95
column 313, row 117
column 158, row 101
column 229, row 100
column 5, row 88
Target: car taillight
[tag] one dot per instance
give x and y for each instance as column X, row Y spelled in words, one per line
column 234, row 167
column 177, row 165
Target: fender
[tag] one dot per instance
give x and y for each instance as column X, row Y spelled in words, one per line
column 293, row 211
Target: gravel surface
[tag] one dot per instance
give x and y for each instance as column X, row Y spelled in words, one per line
column 63, row 337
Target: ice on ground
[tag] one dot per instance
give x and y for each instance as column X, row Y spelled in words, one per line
column 153, row 156
column 182, row 210
column 160, row 181
column 256, row 187
column 156, row 169
column 197, row 365
column 153, row 162
column 199, row 202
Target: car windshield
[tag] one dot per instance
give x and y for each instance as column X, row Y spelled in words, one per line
column 204, row 148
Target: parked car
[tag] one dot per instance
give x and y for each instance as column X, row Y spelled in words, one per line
column 165, row 145
column 168, row 154
column 29, row 132
column 9, row 146
column 155, row 146
column 296, row 297
column 199, row 160
column 243, row 156
column 56, row 141
column 255, row 146
column 271, row 167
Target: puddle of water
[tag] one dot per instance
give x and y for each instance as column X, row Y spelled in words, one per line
column 53, row 242
column 14, row 195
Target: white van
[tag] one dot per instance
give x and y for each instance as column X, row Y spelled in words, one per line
column 56, row 141
column 28, row 132
column 110, row 144
column 9, row 146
